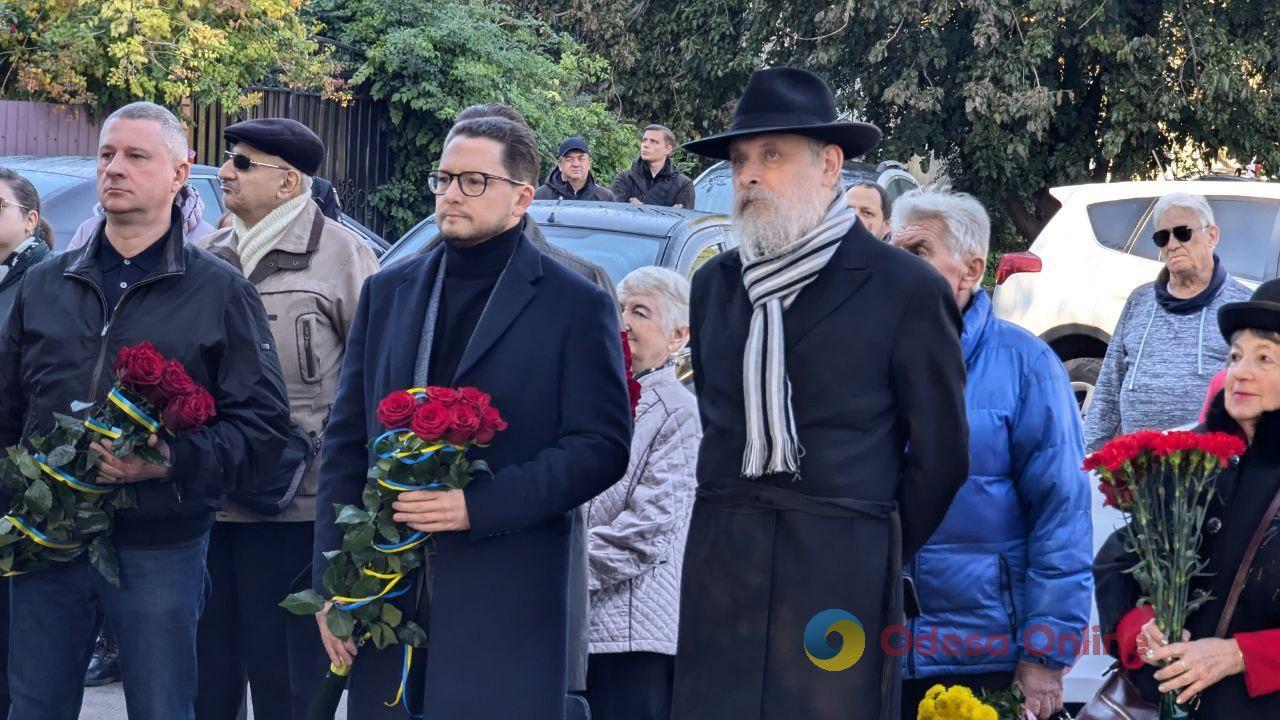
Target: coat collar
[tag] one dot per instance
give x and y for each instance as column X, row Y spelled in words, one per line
column 83, row 261
column 842, row 277
column 294, row 251
column 513, row 291
column 976, row 320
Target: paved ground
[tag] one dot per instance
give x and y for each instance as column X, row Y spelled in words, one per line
column 107, row 703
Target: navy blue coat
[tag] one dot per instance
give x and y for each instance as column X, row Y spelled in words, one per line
column 547, row 350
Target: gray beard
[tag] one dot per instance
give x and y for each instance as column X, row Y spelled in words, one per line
column 773, row 224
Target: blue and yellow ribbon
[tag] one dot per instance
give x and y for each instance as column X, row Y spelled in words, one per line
column 102, row 428
column 350, row 603
column 138, row 414
column 75, row 484
column 400, row 698
column 408, row 543
column 38, row 537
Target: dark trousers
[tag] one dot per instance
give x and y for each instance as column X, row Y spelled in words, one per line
column 630, row 686
column 245, row 635
column 4, row 648
column 913, row 691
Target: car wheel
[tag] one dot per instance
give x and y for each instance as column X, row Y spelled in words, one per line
column 1083, row 373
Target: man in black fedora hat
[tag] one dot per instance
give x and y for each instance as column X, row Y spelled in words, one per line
column 831, row 389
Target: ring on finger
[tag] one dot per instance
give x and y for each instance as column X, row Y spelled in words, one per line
column 1149, row 654
column 1185, row 667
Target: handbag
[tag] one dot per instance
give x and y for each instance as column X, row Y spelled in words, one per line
column 1119, row 698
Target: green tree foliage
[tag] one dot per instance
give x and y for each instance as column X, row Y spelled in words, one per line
column 429, row 59
column 1018, row 95
column 105, row 54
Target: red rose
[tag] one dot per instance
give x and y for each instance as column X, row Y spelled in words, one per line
column 140, row 367
column 443, row 395
column 475, row 398
column 430, row 421
column 396, row 410
column 464, row 423
column 175, row 381
column 491, row 423
column 189, row 412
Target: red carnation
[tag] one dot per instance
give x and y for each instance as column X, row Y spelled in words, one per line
column 1117, row 495
column 491, row 423
column 443, row 395
column 140, row 367
column 396, row 409
column 189, row 412
column 475, row 398
column 430, row 421
column 175, row 381
column 464, row 423
column 1223, row 446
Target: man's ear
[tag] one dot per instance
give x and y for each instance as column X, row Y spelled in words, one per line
column 975, row 270
column 523, row 201
column 832, row 164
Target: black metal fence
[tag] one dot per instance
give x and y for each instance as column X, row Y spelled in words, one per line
column 357, row 154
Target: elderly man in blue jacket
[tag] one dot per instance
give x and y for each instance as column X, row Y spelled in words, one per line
column 1004, row 584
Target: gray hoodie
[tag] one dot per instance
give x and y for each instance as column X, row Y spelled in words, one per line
column 1158, row 366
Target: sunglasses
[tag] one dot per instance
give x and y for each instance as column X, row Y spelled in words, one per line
column 1182, row 234
column 242, row 162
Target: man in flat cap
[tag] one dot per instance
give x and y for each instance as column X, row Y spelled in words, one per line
column 831, row 390
column 136, row 280
column 572, row 178
column 308, row 270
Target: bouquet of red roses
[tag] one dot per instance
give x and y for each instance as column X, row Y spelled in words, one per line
column 58, row 510
column 428, row 434
column 1163, row 483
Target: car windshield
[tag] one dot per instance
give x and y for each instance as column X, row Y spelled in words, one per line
column 50, row 184
column 617, row 252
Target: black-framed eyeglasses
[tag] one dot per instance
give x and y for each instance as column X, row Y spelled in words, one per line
column 472, row 184
column 1181, row 233
column 243, row 162
column 4, row 205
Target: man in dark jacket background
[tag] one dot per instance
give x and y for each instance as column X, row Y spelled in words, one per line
column 831, row 390
column 134, row 281
column 652, row 179
column 572, row 178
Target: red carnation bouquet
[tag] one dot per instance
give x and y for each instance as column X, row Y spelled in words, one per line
column 59, row 510
column 1163, row 483
column 428, row 434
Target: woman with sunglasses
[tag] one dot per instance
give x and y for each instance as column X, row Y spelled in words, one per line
column 1166, row 348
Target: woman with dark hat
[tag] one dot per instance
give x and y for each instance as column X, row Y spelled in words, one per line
column 1229, row 657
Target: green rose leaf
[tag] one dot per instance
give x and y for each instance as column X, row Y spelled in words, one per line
column 352, row 515
column 38, row 497
column 357, row 537
column 391, row 615
column 412, row 634
column 341, row 624
column 306, row 602
column 90, row 520
column 27, row 465
column 102, row 555
column 61, row 455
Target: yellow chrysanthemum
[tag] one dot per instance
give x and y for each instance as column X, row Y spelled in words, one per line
column 955, row 703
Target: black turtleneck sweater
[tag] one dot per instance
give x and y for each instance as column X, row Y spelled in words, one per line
column 470, row 275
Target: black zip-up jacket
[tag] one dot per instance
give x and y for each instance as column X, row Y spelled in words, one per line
column 670, row 188
column 57, row 348
column 557, row 188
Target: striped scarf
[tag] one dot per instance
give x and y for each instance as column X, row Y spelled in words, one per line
column 772, row 284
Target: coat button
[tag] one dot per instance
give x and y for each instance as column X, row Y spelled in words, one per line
column 1214, row 526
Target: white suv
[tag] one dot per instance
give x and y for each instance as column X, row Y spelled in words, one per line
column 1070, row 288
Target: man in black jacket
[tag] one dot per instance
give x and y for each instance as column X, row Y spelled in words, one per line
column 652, row 179
column 572, row 178
column 135, row 281
column 831, row 389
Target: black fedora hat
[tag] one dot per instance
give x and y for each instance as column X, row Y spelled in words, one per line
column 1261, row 312
column 791, row 101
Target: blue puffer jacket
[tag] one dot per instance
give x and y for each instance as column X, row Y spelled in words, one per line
column 1007, row 575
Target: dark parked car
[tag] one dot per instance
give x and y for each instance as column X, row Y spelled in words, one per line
column 68, row 187
column 714, row 187
column 617, row 237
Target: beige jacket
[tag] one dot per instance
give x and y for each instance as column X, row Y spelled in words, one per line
column 309, row 284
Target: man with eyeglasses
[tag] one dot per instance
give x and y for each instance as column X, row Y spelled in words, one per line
column 485, row 309
column 572, row 178
column 1166, row 347
column 308, row 270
